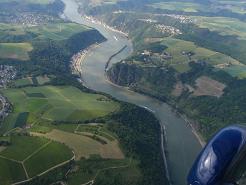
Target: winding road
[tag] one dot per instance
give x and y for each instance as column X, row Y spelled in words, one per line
column 182, row 145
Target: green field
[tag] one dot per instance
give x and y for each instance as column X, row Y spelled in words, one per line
column 192, row 7
column 99, row 130
column 42, row 79
column 84, row 145
column 80, row 138
column 30, row 151
column 23, row 82
column 94, row 3
column 51, row 155
column 88, row 128
column 105, row 172
column 180, row 61
column 223, row 25
column 10, row 172
column 22, row 147
column 236, row 71
column 29, row 1
column 57, row 31
column 178, row 6
column 51, row 103
column 12, row 29
column 20, row 51
column 15, row 51
column 103, row 160
column 234, row 6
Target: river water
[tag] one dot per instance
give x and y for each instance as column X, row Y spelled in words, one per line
column 182, row 145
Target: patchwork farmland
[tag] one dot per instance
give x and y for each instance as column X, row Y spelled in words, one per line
column 14, row 49
column 24, row 154
column 64, row 103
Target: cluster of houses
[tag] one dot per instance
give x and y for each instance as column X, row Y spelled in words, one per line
column 147, row 55
column 112, row 28
column 181, row 18
column 148, row 20
column 5, row 107
column 30, row 19
column 7, row 74
column 167, row 29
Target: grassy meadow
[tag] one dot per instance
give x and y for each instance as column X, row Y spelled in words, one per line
column 51, row 103
column 54, row 31
column 15, row 51
column 27, row 152
column 12, row 29
column 234, row 6
column 94, row 3
column 178, row 6
column 237, row 71
column 51, row 143
column 53, row 154
column 180, row 61
column 20, row 50
column 27, row 81
column 82, row 138
column 23, row 82
column 85, row 144
column 223, row 25
column 44, row 127
column 190, row 6
column 29, row 1
column 42, row 79
column 57, row 31
column 102, row 171
column 98, row 129
column 11, row 172
column 23, row 147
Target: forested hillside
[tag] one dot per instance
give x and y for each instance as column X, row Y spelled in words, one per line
column 180, row 47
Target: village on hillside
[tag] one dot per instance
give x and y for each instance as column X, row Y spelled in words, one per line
column 7, row 74
column 26, row 19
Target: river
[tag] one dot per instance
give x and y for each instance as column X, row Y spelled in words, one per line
column 182, row 145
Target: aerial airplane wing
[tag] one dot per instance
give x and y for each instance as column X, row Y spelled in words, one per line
column 223, row 160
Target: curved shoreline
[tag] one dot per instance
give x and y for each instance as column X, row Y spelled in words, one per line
column 162, row 130
column 78, row 58
column 96, row 21
column 182, row 144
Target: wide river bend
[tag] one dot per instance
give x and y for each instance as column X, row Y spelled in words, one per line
column 182, row 145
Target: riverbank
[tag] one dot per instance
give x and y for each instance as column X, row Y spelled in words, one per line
column 175, row 110
column 188, row 121
column 78, row 58
column 163, row 130
column 181, row 143
column 194, row 130
column 96, row 21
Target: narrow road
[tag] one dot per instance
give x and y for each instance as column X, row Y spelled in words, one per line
column 46, row 171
